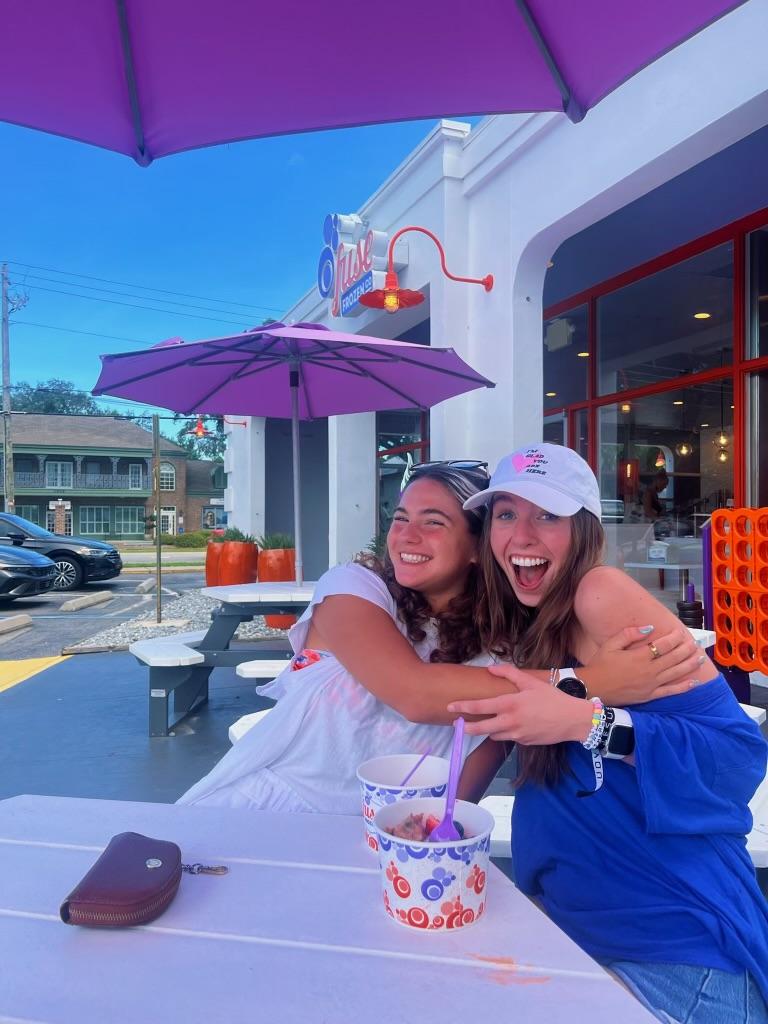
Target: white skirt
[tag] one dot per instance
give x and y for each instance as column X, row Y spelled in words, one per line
column 266, row 792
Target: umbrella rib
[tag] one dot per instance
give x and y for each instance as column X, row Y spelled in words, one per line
column 571, row 106
column 477, row 378
column 143, row 158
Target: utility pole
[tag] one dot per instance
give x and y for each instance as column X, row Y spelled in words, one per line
column 156, row 491
column 8, row 482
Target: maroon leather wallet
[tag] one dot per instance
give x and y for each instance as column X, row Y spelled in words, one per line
column 132, row 882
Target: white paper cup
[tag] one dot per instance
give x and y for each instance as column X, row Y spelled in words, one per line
column 434, row 886
column 380, row 780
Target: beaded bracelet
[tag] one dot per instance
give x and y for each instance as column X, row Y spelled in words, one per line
column 598, row 720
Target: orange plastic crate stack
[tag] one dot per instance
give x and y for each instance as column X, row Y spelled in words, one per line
column 740, row 587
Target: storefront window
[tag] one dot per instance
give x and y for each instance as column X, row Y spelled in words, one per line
column 758, row 444
column 665, row 463
column 566, row 358
column 677, row 321
column 581, row 433
column 555, row 429
column 757, row 337
column 402, row 440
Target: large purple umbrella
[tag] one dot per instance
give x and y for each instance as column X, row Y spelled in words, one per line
column 153, row 77
column 300, row 372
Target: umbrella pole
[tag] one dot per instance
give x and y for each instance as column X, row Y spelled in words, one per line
column 295, row 439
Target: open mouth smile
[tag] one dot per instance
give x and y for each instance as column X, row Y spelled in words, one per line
column 412, row 559
column 529, row 571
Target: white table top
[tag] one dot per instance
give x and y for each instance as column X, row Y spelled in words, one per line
column 295, row 932
column 263, row 593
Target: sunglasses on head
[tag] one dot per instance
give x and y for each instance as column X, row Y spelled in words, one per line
column 463, row 465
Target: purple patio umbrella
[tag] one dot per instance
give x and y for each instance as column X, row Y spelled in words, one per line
column 153, row 77
column 300, row 372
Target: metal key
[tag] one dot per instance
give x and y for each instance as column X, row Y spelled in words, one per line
column 205, row 869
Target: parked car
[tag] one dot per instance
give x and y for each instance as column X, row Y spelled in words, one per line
column 24, row 573
column 77, row 559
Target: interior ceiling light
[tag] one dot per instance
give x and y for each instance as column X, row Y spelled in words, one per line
column 702, row 316
column 705, row 424
column 625, row 407
column 392, row 297
column 678, row 402
column 582, row 355
column 722, row 455
column 722, row 439
column 684, row 448
column 660, row 460
column 551, row 394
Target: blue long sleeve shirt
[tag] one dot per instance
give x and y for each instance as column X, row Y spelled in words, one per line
column 653, row 866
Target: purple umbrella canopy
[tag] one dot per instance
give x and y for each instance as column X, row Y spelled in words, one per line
column 300, row 372
column 248, row 374
column 152, row 77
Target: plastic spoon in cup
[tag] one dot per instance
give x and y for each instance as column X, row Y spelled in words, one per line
column 446, row 831
column 421, row 760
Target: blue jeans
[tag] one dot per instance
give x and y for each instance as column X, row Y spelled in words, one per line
column 680, row 994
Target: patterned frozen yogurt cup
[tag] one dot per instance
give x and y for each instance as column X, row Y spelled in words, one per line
column 380, row 780
column 434, row 886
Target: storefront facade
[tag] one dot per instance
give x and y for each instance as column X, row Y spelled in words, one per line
column 509, row 197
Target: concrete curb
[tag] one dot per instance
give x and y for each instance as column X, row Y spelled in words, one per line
column 76, row 603
column 14, row 622
column 145, row 586
column 144, row 569
column 95, row 649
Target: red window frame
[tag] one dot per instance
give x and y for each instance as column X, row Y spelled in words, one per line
column 738, row 371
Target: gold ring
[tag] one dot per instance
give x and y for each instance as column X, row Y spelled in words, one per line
column 655, row 652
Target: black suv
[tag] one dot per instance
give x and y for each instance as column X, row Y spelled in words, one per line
column 78, row 559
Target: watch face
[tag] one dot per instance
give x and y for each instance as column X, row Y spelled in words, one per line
column 573, row 687
column 621, row 741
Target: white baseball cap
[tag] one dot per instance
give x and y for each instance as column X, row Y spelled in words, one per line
column 551, row 476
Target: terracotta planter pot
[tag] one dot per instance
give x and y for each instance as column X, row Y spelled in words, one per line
column 276, row 565
column 237, row 562
column 212, row 558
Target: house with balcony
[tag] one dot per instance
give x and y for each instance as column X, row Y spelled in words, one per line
column 100, row 468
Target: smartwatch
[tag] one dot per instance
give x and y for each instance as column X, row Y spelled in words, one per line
column 571, row 684
column 619, row 737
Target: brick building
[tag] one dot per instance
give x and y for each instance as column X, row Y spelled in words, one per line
column 101, row 468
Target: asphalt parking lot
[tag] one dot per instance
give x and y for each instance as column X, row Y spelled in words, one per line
column 52, row 629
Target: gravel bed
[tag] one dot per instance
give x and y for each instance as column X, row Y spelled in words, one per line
column 190, row 611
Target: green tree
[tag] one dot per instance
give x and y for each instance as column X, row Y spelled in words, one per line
column 55, row 397
column 211, row 446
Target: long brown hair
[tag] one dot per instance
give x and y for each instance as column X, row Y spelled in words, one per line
column 544, row 636
column 458, row 627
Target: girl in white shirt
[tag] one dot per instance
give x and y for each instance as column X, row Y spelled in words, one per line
column 391, row 635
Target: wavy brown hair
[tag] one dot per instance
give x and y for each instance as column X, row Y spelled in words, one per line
column 460, row 627
column 539, row 637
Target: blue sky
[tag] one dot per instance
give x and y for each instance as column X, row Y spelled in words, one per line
column 240, row 223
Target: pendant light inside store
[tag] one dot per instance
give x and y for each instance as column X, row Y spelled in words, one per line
column 683, row 448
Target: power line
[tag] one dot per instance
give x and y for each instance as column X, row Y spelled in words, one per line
column 146, row 287
column 72, row 330
column 125, row 295
column 133, row 305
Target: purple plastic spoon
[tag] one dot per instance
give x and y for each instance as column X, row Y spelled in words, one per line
column 446, row 831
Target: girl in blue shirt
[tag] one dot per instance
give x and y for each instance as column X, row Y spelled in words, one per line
column 628, row 825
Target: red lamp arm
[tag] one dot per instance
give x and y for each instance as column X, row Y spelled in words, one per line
column 486, row 282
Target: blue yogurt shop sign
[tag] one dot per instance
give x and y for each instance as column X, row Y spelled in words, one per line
column 352, row 253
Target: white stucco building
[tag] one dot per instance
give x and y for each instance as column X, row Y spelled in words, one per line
column 504, row 198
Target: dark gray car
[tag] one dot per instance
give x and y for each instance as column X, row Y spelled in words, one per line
column 24, row 573
column 77, row 559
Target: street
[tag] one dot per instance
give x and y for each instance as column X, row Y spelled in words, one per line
column 53, row 629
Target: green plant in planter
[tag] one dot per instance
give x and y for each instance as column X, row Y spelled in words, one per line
column 232, row 533
column 274, row 541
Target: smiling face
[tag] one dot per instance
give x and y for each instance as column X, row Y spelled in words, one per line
column 530, row 544
column 430, row 543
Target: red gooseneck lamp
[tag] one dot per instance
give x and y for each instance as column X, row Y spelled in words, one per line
column 392, row 297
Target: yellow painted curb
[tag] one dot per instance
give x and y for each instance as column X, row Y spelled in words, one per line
column 13, row 672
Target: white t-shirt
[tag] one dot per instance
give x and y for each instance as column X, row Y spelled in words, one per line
column 324, row 725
